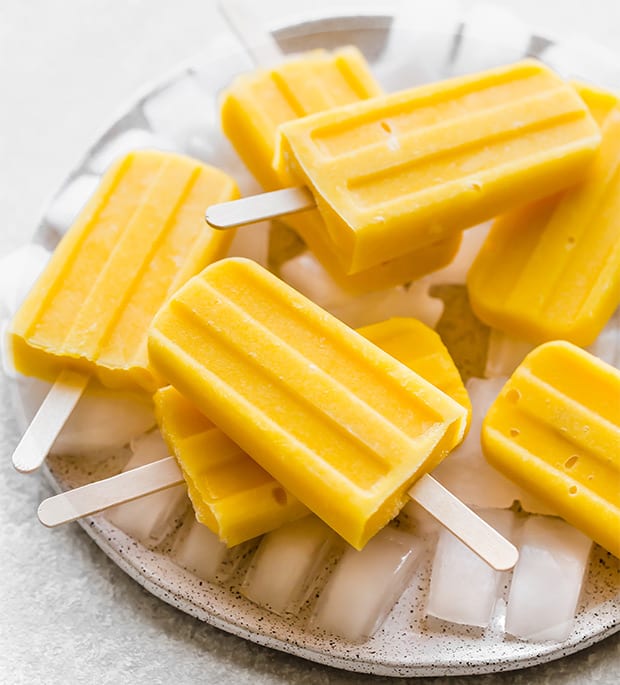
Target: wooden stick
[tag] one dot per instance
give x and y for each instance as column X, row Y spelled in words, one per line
column 89, row 499
column 47, row 423
column 95, row 497
column 464, row 523
column 253, row 208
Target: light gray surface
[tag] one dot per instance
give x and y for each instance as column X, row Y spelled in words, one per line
column 69, row 615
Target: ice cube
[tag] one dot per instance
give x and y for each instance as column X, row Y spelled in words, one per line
column 199, row 550
column 465, row 471
column 306, row 274
column 66, row 206
column 547, row 580
column 365, row 585
column 455, row 273
column 607, row 345
column 252, row 242
column 580, row 60
column 225, row 59
column 132, row 139
column 148, row 518
column 504, row 353
column 104, row 419
column 286, row 564
column 411, row 301
column 18, row 272
column 181, row 111
column 419, row 44
column 463, row 588
column 148, row 447
column 491, row 36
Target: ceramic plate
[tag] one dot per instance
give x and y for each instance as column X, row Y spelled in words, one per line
column 405, row 47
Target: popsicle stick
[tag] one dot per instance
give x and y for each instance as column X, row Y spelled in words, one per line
column 260, row 207
column 464, row 523
column 47, row 423
column 95, row 497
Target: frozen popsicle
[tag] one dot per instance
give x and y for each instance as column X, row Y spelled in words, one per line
column 555, row 430
column 231, row 494
column 422, row 350
column 339, row 423
column 560, row 256
column 256, row 104
column 136, row 241
column 414, row 167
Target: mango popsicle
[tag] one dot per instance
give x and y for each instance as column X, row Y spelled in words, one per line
column 256, row 104
column 421, row 349
column 136, row 241
column 231, row 494
column 414, row 167
column 359, row 427
column 560, row 256
column 555, row 430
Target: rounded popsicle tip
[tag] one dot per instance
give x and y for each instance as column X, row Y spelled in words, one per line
column 24, row 460
column 505, row 558
column 47, row 513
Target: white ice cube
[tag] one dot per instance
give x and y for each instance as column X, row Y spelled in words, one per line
column 66, row 206
column 305, row 273
column 490, row 36
column 199, row 550
column 547, row 580
column 576, row 59
column 148, row 447
column 18, row 272
column 463, row 588
column 104, row 419
column 133, row 139
column 365, row 585
column 286, row 563
column 465, row 471
column 181, row 110
column 218, row 66
column 607, row 345
column 252, row 242
column 148, row 518
column 455, row 273
column 420, row 40
column 411, row 301
column 504, row 354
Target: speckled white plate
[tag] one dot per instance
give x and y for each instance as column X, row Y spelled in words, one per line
column 406, row 43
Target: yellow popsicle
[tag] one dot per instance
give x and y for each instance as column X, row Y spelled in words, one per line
column 256, row 104
column 235, row 497
column 420, row 348
column 417, row 166
column 555, row 430
column 231, row 494
column 339, row 423
column 560, row 256
column 139, row 238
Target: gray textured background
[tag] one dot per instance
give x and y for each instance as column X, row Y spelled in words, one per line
column 68, row 614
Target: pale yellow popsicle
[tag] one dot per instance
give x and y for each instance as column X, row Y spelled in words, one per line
column 555, row 430
column 139, row 238
column 256, row 104
column 339, row 423
column 560, row 256
column 231, row 494
column 403, row 170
